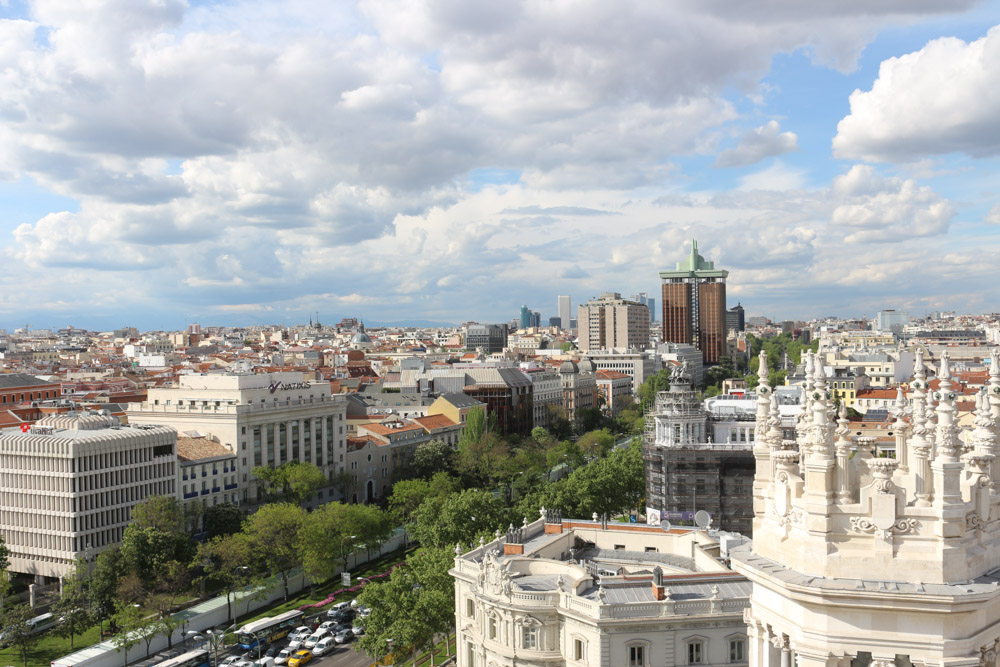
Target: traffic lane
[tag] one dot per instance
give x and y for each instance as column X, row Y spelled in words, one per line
column 346, row 656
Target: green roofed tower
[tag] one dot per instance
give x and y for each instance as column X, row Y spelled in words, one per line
column 694, row 305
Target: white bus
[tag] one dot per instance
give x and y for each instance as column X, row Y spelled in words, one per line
column 268, row 630
column 196, row 658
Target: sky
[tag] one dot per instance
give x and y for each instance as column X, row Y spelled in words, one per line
column 246, row 161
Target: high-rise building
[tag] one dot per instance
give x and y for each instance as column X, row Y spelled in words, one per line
column 736, row 318
column 610, row 322
column 644, row 299
column 525, row 317
column 892, row 320
column 535, row 320
column 694, row 305
column 563, row 309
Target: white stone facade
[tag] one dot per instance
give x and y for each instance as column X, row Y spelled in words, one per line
column 265, row 419
column 573, row 593
column 859, row 560
column 68, row 486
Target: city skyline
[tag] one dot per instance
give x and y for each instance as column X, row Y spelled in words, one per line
column 252, row 162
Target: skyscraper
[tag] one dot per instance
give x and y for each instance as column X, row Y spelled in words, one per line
column 525, row 317
column 694, row 305
column 563, row 310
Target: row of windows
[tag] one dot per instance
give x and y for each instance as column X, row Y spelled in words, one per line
column 32, row 396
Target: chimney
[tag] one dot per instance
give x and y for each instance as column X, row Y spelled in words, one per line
column 514, row 544
column 659, row 590
column 553, row 522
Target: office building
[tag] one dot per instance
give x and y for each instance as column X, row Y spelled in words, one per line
column 581, row 593
column 490, row 338
column 564, row 310
column 892, row 320
column 694, row 305
column 610, row 322
column 525, row 317
column 68, row 485
column 736, row 319
column 644, row 299
column 265, row 419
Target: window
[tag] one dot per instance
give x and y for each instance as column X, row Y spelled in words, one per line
column 696, row 652
column 531, row 638
column 470, row 607
column 737, row 650
column 492, row 623
column 579, row 649
column 636, row 656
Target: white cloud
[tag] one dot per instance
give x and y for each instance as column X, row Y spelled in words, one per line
column 993, row 216
column 759, row 143
column 880, row 210
column 941, row 99
column 778, row 176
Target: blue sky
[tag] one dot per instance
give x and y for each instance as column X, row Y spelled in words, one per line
column 252, row 161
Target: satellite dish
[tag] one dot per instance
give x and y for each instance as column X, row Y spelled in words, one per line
column 665, row 525
column 702, row 518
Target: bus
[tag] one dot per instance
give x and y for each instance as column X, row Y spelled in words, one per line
column 196, row 658
column 42, row 623
column 268, row 630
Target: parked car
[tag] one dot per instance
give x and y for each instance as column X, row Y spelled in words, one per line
column 337, row 608
column 300, row 658
column 364, row 611
column 231, row 660
column 283, row 656
column 266, row 661
column 357, row 629
column 325, row 645
column 344, row 637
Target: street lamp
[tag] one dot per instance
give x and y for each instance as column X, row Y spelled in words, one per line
column 216, row 639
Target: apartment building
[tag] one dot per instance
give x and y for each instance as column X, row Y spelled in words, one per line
column 265, row 420
column 610, row 321
column 68, row 485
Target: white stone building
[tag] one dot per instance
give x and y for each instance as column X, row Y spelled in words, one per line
column 859, row 560
column 266, row 420
column 68, row 486
column 561, row 592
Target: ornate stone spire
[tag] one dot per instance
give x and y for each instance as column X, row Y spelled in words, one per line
column 994, row 386
column 817, row 430
column 947, row 441
column 984, row 437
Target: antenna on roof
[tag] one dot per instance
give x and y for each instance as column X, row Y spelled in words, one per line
column 702, row 519
column 666, row 525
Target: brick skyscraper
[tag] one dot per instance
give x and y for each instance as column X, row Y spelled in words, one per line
column 694, row 305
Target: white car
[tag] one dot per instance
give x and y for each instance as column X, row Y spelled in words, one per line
column 230, row 661
column 358, row 629
column 327, row 625
column 284, row 655
column 265, row 662
column 324, row 646
column 364, row 611
column 314, row 638
column 302, row 630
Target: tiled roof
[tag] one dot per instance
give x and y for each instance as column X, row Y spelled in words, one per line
column 17, row 380
column 432, row 422
column 384, row 429
column 193, row 449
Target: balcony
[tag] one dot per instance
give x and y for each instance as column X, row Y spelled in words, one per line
column 193, row 494
column 204, row 492
column 230, row 487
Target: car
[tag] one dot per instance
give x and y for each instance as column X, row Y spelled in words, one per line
column 326, row 645
column 283, row 656
column 344, row 637
column 300, row 658
column 266, row 661
column 314, row 638
column 303, row 630
column 337, row 609
column 357, row 629
column 327, row 625
column 244, row 662
column 231, row 660
column 272, row 651
column 364, row 611
column 296, row 644
column 354, row 603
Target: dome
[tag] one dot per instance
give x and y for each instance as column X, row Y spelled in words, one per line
column 569, row 367
column 587, row 366
column 361, row 337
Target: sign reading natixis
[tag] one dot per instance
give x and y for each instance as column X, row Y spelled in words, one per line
column 284, row 386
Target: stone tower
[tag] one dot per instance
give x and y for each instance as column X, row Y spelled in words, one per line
column 858, row 560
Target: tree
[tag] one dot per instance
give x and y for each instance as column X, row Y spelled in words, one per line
column 460, row 517
column 432, row 457
column 331, row 533
column 483, row 461
column 128, row 619
column 589, row 419
column 724, row 370
column 654, row 384
column 104, row 580
column 223, row 559
column 161, row 513
column 596, row 444
column 274, row 532
column 301, row 480
column 4, row 575
column 72, row 607
column 146, row 549
column 222, row 519
column 414, row 605
column 476, row 425
column 17, row 631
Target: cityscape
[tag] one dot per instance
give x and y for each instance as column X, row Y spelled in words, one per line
column 432, row 333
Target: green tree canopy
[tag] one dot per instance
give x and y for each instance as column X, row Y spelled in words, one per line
column 295, row 481
column 223, row 519
column 226, row 561
column 432, row 457
column 73, row 606
column 274, row 532
column 596, row 444
column 459, row 518
column 17, row 631
column 108, row 571
column 332, row 532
